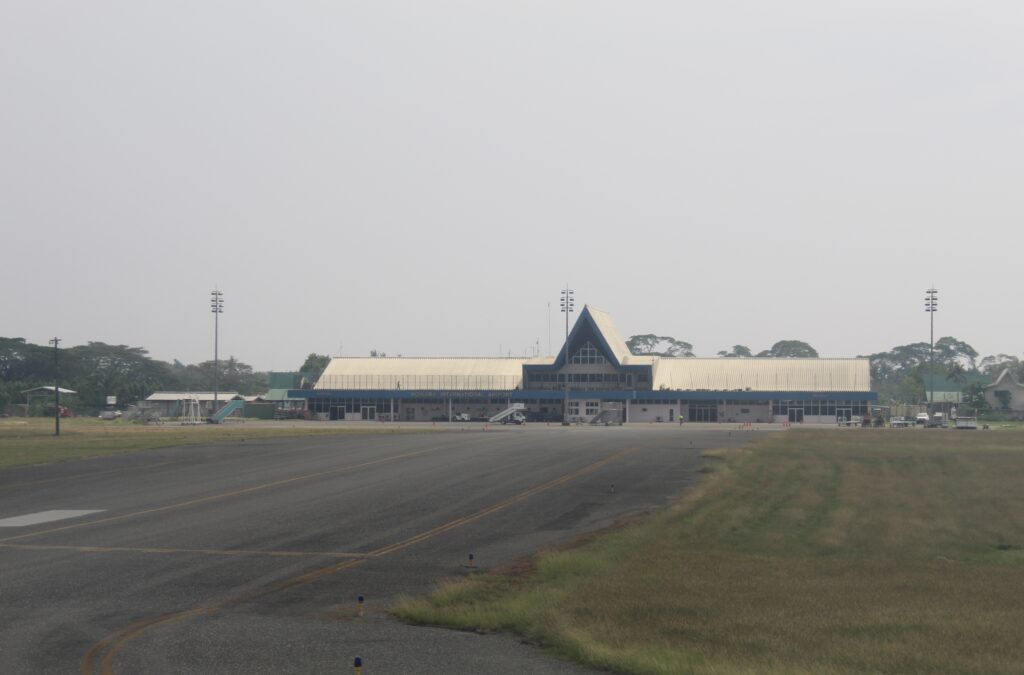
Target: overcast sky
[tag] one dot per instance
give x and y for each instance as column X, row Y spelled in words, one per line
column 422, row 178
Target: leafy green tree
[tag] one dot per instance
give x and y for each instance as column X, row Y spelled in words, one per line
column 315, row 364
column 658, row 345
column 737, row 351
column 951, row 351
column 20, row 360
column 974, row 398
column 903, row 373
column 232, row 375
column 790, row 349
column 993, row 366
column 898, row 361
column 97, row 370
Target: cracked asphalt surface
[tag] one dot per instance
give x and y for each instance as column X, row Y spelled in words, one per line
column 249, row 557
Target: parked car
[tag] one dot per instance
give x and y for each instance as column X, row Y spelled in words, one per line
column 922, row 418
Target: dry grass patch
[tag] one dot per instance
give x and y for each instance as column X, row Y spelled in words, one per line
column 32, row 441
column 873, row 551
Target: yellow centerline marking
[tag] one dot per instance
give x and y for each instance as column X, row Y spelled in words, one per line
column 113, row 643
column 77, row 477
column 223, row 495
column 458, row 522
column 199, row 551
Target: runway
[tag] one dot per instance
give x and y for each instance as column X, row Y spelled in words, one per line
column 249, row 557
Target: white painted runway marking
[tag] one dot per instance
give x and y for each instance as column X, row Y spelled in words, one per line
column 45, row 517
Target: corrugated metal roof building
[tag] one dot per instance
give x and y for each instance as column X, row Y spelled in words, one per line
column 761, row 374
column 595, row 372
column 447, row 374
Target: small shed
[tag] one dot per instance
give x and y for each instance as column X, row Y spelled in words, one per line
column 42, row 392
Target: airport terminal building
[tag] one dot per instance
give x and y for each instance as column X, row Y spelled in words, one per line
column 594, row 379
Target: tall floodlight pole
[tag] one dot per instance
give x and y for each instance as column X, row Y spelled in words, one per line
column 217, row 307
column 56, row 387
column 931, row 305
column 568, row 307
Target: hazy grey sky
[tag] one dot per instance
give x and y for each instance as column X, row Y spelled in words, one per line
column 423, row 177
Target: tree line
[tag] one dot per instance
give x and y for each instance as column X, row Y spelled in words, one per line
column 97, row 370
column 663, row 345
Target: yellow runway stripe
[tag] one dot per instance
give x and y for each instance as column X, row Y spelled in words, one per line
column 78, row 477
column 223, row 495
column 109, row 646
column 458, row 522
column 197, row 551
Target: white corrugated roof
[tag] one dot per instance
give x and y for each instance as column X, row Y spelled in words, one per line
column 425, row 373
column 607, row 328
column 183, row 395
column 753, row 374
column 49, row 388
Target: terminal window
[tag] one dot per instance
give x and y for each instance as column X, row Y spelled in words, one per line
column 588, row 355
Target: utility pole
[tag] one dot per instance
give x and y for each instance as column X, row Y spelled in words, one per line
column 217, row 307
column 931, row 305
column 568, row 306
column 56, row 387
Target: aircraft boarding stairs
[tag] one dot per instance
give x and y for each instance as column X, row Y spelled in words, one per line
column 516, row 407
column 227, row 410
column 611, row 413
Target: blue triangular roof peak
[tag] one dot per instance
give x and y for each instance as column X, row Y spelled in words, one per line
column 597, row 327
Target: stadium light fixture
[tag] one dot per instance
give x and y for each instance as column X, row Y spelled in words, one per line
column 217, row 307
column 568, row 305
column 931, row 305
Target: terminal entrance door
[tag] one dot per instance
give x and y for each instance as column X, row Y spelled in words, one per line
column 796, row 415
column 703, row 412
column 369, row 412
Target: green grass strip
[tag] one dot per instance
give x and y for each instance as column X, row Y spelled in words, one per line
column 32, row 441
column 868, row 551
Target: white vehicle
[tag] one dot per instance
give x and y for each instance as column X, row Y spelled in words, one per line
column 460, row 417
column 515, row 418
column 922, row 418
column 966, row 423
column 900, row 423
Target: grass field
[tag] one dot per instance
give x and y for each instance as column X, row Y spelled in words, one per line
column 31, row 441
column 864, row 551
